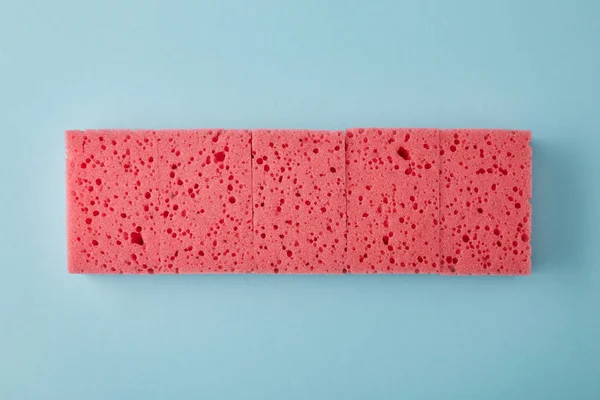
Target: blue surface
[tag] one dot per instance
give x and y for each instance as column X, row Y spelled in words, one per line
column 310, row 64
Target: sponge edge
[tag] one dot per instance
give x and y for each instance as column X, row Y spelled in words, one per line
column 393, row 192
column 111, row 220
column 485, row 202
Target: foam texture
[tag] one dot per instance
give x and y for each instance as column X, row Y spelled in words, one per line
column 393, row 183
column 205, row 219
column 485, row 202
column 453, row 202
column 111, row 223
column 299, row 201
column 166, row 202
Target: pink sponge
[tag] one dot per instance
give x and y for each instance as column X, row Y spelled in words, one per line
column 166, row 202
column 393, row 182
column 299, row 201
column 205, row 217
column 485, row 202
column 112, row 197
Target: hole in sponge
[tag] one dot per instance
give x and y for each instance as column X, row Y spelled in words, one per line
column 136, row 238
column 220, row 156
column 402, row 152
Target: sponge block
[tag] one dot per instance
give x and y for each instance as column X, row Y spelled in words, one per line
column 205, row 219
column 112, row 200
column 485, row 202
column 393, row 191
column 299, row 201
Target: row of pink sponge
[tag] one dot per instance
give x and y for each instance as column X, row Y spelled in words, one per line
column 298, row 201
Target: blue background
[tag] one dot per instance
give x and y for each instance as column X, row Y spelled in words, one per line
column 310, row 64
